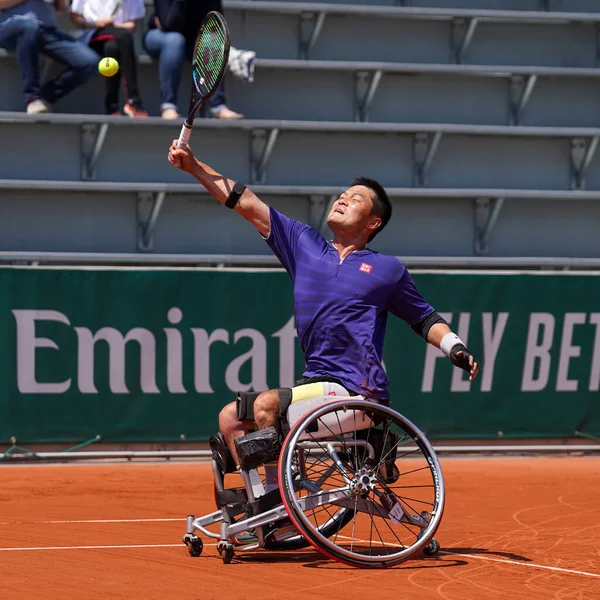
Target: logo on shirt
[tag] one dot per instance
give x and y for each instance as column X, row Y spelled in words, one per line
column 365, row 268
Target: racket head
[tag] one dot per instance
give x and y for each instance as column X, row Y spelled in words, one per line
column 209, row 61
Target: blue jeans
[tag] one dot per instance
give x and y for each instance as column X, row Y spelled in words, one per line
column 27, row 37
column 170, row 48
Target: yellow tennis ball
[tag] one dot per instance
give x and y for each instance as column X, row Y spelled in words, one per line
column 108, row 66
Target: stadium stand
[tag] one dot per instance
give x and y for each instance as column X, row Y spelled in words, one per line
column 479, row 119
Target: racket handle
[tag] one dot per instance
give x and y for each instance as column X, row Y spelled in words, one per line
column 184, row 136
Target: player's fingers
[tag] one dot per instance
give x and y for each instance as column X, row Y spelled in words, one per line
column 176, row 162
column 474, row 371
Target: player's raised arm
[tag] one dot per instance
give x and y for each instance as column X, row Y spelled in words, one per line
column 225, row 190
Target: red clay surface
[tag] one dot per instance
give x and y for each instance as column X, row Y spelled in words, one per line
column 513, row 528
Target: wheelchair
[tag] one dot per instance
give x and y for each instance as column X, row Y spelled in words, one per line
column 357, row 481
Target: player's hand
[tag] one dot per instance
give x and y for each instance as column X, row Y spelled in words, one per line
column 182, row 158
column 157, row 23
column 100, row 23
column 463, row 359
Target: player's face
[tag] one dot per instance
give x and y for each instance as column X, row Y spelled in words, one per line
column 351, row 212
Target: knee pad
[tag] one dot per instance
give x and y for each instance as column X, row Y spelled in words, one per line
column 258, row 448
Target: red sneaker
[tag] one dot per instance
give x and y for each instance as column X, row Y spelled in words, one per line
column 135, row 110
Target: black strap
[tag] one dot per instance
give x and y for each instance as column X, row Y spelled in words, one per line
column 423, row 326
column 235, row 195
column 324, row 379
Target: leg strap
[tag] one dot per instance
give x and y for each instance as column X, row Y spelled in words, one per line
column 245, row 403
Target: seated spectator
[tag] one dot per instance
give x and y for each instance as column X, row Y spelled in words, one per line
column 108, row 26
column 170, row 38
column 28, row 27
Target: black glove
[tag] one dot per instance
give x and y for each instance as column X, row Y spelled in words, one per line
column 462, row 361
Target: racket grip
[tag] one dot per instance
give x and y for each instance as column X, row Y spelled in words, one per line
column 184, row 136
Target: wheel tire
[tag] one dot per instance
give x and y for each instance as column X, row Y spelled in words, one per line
column 195, row 548
column 228, row 554
column 300, row 542
column 432, row 548
column 194, row 544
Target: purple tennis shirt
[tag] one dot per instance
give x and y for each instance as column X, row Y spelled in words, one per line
column 341, row 307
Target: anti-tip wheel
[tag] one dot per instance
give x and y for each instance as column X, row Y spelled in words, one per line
column 227, row 551
column 194, row 544
column 432, row 548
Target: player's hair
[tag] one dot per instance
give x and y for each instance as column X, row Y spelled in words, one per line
column 382, row 207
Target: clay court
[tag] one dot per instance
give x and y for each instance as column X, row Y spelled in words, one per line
column 521, row 527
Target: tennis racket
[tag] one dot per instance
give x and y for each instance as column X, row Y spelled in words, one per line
column 211, row 53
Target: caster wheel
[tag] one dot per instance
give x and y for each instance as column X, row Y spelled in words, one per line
column 194, row 544
column 432, row 548
column 227, row 551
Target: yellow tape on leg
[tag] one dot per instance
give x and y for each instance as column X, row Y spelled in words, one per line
column 308, row 390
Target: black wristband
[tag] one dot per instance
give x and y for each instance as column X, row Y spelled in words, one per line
column 235, row 195
column 462, row 362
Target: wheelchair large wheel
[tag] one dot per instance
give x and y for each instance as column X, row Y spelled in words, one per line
column 326, row 529
column 337, row 520
column 369, row 464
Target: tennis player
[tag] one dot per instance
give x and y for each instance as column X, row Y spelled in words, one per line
column 343, row 292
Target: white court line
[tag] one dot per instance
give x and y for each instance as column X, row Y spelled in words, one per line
column 500, row 560
column 94, row 547
column 90, row 521
column 522, row 564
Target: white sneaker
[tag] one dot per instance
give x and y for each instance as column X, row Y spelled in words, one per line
column 241, row 64
column 36, row 107
column 225, row 113
column 169, row 114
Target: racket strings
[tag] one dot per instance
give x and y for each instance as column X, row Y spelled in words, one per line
column 210, row 54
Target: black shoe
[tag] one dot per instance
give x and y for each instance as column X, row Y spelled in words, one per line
column 248, row 537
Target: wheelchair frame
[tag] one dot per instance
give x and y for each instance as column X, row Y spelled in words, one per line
column 362, row 490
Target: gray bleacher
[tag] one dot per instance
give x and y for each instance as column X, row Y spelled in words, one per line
column 482, row 120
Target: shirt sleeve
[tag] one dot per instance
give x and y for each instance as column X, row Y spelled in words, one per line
column 77, row 7
column 283, row 239
column 405, row 300
column 132, row 10
column 170, row 13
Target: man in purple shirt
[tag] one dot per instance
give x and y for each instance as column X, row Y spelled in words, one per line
column 342, row 294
